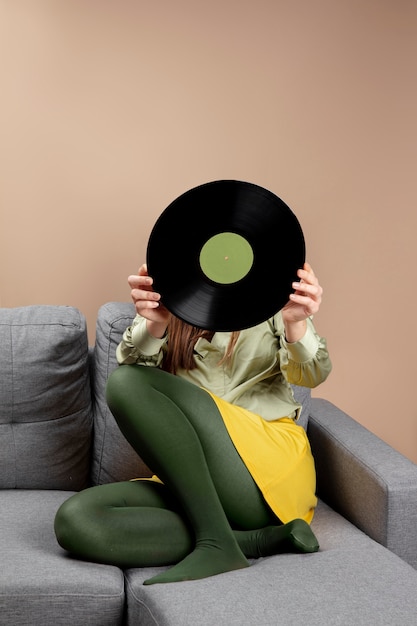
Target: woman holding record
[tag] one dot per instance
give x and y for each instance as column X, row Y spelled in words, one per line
column 213, row 415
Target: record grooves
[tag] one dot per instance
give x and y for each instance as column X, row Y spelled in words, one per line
column 223, row 255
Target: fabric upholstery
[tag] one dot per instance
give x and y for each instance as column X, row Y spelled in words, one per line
column 303, row 396
column 45, row 403
column 365, row 479
column 113, row 457
column 39, row 583
column 333, row 586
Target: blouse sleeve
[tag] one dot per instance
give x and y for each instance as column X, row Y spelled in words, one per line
column 305, row 362
column 139, row 347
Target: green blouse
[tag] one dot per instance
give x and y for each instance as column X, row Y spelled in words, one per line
column 259, row 374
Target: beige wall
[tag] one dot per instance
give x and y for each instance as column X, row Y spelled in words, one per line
column 112, row 109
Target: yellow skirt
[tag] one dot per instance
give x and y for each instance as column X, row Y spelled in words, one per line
column 278, row 456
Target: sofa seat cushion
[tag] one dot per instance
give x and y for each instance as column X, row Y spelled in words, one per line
column 39, row 583
column 351, row 581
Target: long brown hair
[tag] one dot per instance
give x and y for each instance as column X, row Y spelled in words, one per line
column 182, row 338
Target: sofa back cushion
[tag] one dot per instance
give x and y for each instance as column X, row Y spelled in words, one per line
column 45, row 400
column 113, row 457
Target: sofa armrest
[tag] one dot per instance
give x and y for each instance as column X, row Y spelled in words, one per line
column 363, row 478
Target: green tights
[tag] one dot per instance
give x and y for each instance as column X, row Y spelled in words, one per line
column 207, row 518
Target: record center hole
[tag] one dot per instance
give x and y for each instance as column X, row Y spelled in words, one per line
column 230, row 247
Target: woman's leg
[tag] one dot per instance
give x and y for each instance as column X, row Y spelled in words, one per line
column 177, row 430
column 151, row 408
column 159, row 410
column 136, row 524
column 128, row 524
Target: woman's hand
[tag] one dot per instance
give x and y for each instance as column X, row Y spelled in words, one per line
column 303, row 303
column 148, row 303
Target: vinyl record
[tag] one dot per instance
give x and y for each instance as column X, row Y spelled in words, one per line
column 223, row 255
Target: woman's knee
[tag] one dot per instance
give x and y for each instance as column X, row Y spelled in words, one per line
column 130, row 381
column 81, row 519
column 118, row 381
column 69, row 519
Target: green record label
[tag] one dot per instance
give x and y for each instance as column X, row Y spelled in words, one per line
column 226, row 258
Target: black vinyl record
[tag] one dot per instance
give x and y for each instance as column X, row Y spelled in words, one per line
column 223, row 255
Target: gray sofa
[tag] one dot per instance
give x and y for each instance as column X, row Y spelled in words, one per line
column 57, row 436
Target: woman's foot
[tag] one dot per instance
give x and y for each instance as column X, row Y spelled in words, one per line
column 205, row 560
column 295, row 536
column 302, row 537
